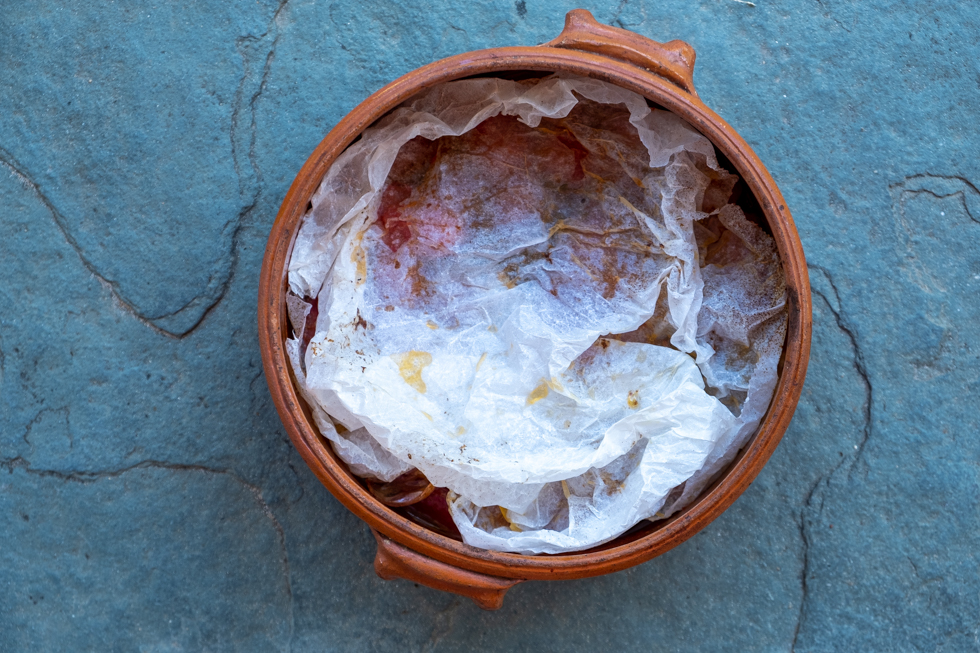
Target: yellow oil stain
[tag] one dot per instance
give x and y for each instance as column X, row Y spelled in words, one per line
column 633, row 399
column 410, row 366
column 480, row 362
column 428, row 416
column 555, row 384
column 514, row 527
column 539, row 393
column 432, row 325
column 359, row 259
column 625, row 202
column 459, row 431
column 565, row 490
column 492, row 329
column 594, row 176
column 583, row 267
column 558, row 226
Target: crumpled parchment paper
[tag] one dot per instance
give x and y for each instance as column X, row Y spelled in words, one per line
column 529, row 313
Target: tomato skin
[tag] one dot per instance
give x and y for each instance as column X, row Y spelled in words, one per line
column 433, row 512
column 578, row 151
column 396, row 231
column 309, row 328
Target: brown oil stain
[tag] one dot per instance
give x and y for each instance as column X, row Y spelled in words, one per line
column 410, row 366
column 633, row 399
column 421, row 286
column 359, row 322
column 539, row 393
column 583, row 266
column 506, row 279
column 558, row 226
column 600, row 180
column 625, row 202
column 613, row 486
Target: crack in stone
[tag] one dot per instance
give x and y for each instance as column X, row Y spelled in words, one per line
column 232, row 268
column 19, row 462
column 859, row 361
column 938, row 187
column 241, row 135
column 246, row 45
column 810, row 510
column 256, row 399
column 827, row 14
column 299, row 483
column 37, row 417
column 8, row 161
column 805, row 570
column 617, row 19
column 950, row 186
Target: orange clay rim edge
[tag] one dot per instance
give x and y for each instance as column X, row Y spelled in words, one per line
column 668, row 534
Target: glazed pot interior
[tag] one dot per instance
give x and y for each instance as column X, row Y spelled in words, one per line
column 674, row 92
column 746, row 200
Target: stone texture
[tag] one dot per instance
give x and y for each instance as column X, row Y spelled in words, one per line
column 149, row 499
column 149, row 555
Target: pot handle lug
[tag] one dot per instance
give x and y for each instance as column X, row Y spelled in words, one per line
column 396, row 561
column 674, row 61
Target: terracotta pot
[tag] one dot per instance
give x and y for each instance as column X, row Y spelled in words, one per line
column 663, row 74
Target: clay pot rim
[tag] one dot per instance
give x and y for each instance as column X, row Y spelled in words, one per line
column 614, row 556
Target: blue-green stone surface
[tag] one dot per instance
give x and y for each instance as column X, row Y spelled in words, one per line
column 149, row 498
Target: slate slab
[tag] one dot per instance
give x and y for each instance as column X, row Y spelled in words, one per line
column 148, row 488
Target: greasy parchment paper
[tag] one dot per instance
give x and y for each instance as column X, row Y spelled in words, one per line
column 575, row 334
